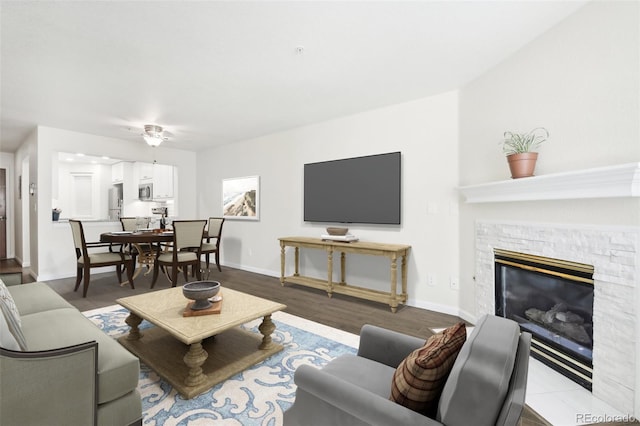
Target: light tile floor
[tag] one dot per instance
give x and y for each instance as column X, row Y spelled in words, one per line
column 562, row 402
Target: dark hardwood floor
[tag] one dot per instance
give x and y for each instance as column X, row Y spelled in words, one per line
column 342, row 312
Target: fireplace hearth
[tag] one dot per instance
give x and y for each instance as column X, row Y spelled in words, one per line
column 553, row 300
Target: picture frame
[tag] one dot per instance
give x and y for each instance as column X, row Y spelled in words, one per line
column 241, row 198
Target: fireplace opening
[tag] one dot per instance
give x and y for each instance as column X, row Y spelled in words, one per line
column 553, row 300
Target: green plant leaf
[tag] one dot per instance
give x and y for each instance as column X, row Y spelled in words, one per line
column 515, row 143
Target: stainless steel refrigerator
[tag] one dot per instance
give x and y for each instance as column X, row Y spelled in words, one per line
column 115, row 202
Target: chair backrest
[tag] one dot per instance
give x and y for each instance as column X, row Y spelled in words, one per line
column 188, row 233
column 214, row 230
column 133, row 223
column 489, row 374
column 78, row 237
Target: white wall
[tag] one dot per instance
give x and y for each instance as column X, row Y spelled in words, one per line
column 425, row 131
column 54, row 255
column 580, row 81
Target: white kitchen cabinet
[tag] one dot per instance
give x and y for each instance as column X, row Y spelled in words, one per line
column 161, row 175
column 162, row 181
column 117, row 172
column 145, row 171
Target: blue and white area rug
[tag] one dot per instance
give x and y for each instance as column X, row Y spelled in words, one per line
column 257, row 396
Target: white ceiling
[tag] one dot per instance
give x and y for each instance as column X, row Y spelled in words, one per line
column 215, row 72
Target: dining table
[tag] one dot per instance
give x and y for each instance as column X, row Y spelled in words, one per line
column 147, row 243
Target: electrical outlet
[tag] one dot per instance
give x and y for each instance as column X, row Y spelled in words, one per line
column 431, row 280
column 453, row 283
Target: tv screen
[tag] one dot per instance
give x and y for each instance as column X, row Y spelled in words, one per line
column 354, row 190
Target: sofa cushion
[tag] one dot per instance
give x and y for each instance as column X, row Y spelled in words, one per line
column 118, row 369
column 481, row 374
column 420, row 377
column 7, row 340
column 11, row 336
column 9, row 302
column 37, row 297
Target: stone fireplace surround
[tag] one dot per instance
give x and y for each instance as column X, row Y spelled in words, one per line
column 615, row 254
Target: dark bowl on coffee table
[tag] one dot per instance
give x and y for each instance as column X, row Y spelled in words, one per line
column 200, row 292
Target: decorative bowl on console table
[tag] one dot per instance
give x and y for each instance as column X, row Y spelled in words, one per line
column 200, row 292
column 337, row 231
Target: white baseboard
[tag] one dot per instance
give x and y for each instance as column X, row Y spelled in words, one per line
column 443, row 309
column 252, row 269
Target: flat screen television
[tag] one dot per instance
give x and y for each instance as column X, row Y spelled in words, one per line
column 354, row 190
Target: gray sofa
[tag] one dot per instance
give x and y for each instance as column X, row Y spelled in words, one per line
column 72, row 373
column 486, row 385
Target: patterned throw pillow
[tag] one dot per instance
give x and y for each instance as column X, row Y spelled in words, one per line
column 420, row 377
column 11, row 319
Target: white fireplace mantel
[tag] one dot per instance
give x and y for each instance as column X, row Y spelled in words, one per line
column 602, row 182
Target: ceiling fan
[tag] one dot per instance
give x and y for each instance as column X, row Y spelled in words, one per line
column 154, row 135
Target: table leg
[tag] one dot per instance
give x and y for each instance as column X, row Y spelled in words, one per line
column 136, row 271
column 343, row 268
column 404, row 277
column 267, row 327
column 393, row 303
column 133, row 321
column 282, row 262
column 296, row 272
column 330, row 272
column 194, row 360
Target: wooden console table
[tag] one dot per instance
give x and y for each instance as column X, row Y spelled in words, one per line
column 392, row 251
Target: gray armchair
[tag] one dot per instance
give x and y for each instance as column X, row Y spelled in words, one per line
column 486, row 385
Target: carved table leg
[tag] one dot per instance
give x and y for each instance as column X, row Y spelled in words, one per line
column 282, row 262
column 194, row 360
column 330, row 272
column 133, row 321
column 266, row 328
column 393, row 303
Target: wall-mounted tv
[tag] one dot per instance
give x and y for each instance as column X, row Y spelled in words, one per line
column 354, row 190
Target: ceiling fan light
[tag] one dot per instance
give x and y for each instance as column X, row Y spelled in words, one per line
column 153, row 135
column 152, row 140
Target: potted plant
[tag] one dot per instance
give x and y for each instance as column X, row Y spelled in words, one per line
column 520, row 149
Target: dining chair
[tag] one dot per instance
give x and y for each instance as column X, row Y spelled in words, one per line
column 86, row 260
column 134, row 223
column 142, row 252
column 214, row 231
column 185, row 251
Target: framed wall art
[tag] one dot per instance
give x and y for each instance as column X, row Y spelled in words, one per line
column 241, row 198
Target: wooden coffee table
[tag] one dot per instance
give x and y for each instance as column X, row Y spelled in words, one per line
column 195, row 353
